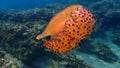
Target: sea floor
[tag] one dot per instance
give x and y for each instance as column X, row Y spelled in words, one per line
column 98, row 63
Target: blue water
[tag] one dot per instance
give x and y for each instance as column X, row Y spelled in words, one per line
column 27, row 4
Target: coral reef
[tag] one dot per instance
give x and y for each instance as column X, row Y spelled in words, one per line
column 26, row 16
column 19, row 38
column 63, row 61
column 7, row 61
column 107, row 20
column 104, row 52
column 99, row 49
column 116, row 36
column 110, row 13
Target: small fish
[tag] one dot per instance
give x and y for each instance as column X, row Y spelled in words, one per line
column 68, row 28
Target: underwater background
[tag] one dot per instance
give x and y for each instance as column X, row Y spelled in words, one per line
column 22, row 20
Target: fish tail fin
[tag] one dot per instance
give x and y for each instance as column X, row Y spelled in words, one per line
column 40, row 36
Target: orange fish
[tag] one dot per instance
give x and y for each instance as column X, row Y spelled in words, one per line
column 68, row 28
